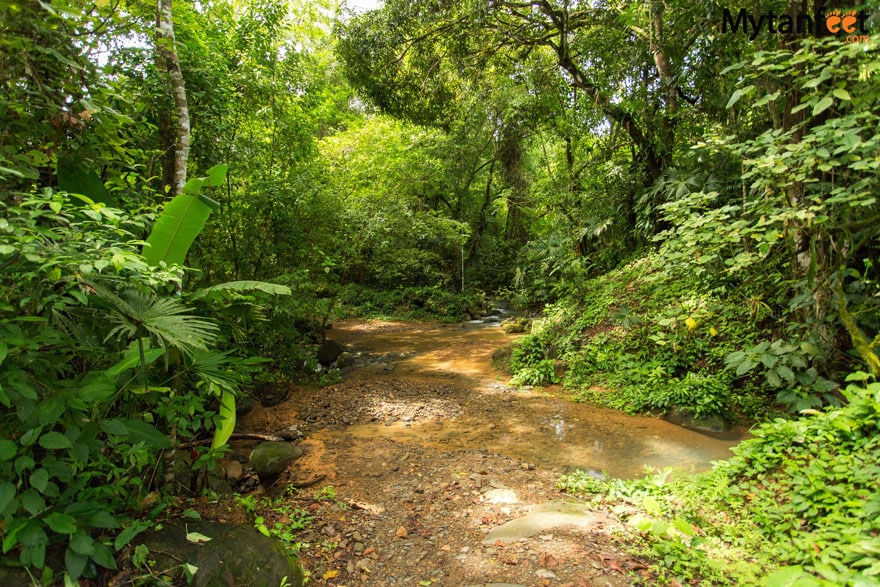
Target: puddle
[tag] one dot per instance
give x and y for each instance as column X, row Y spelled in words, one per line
column 530, row 425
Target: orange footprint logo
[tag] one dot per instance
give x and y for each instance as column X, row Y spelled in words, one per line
column 836, row 20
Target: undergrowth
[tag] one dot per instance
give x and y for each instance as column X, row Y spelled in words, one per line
column 639, row 341
column 798, row 504
column 409, row 303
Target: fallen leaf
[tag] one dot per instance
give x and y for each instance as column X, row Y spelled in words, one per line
column 547, row 560
column 401, row 532
column 196, row 537
column 500, row 544
column 583, row 582
column 368, row 551
column 331, row 574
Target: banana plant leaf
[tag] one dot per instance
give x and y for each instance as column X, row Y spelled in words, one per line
column 181, row 221
column 225, row 420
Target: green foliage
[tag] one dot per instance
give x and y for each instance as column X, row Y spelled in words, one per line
column 277, row 518
column 409, row 303
column 800, row 495
column 530, row 363
column 785, row 366
column 181, row 220
column 83, row 322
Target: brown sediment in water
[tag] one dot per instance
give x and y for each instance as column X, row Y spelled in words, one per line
column 434, row 386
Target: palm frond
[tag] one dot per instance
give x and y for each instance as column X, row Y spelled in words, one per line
column 165, row 319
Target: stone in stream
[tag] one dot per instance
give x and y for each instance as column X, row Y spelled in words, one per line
column 709, row 423
column 516, row 325
column 328, row 352
column 554, row 514
column 269, row 459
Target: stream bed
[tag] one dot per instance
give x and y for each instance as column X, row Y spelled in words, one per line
column 536, row 425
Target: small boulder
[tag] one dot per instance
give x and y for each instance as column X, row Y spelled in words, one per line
column 234, row 555
column 344, row 360
column 328, row 352
column 269, row 459
column 516, row 325
column 715, row 423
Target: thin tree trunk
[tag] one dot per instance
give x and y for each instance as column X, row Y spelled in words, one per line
column 167, row 61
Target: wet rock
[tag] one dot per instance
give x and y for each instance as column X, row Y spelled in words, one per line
column 491, row 319
column 516, row 325
column 269, row 459
column 710, row 423
column 345, row 359
column 548, row 516
column 232, row 470
column 245, row 405
column 234, row 555
column 271, row 394
column 328, row 352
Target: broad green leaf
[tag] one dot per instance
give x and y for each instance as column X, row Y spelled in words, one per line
column 76, row 178
column 74, row 564
column 8, row 450
column 50, row 411
column 177, row 227
column 193, row 186
column 744, row 367
column 61, row 523
column 32, row 502
column 734, row 98
column 216, row 175
column 7, row 494
column 132, row 359
column 102, row 519
column 790, row 577
column 39, row 479
column 114, row 426
column 129, row 533
column 140, row 431
column 684, row 527
column 103, row 555
column 82, row 543
column 822, row 105
column 841, row 94
column 225, row 420
column 54, row 440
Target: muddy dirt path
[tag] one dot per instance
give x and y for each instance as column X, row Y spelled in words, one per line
column 431, row 456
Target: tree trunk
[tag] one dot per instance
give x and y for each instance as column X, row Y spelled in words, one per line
column 166, row 61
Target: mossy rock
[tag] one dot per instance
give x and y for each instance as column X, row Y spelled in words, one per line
column 706, row 423
column 516, row 325
column 269, row 459
column 234, row 555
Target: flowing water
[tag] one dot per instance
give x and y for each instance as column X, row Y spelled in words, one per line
column 535, row 425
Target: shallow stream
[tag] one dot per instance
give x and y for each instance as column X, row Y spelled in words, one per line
column 536, row 425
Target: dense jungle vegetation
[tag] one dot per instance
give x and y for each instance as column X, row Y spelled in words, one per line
column 189, row 196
